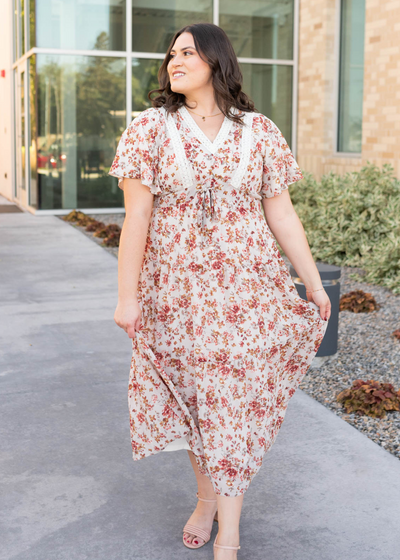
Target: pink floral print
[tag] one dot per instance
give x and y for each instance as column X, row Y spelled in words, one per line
column 225, row 337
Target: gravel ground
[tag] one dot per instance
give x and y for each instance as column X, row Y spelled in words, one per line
column 366, row 350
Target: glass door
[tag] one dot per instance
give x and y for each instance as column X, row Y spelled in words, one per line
column 21, row 175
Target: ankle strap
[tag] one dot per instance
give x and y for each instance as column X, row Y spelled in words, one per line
column 203, row 500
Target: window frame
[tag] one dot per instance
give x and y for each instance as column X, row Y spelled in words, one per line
column 337, row 53
column 129, row 55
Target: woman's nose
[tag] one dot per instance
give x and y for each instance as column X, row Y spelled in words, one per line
column 176, row 61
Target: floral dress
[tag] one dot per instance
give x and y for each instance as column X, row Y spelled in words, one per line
column 225, row 337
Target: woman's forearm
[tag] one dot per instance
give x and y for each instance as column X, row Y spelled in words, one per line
column 290, row 235
column 130, row 256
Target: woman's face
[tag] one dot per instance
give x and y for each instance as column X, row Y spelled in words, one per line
column 187, row 71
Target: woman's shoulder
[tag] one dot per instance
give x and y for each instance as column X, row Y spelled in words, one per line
column 264, row 124
column 267, row 131
column 150, row 117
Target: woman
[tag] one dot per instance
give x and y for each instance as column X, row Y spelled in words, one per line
column 220, row 337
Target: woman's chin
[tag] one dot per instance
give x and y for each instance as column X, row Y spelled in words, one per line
column 176, row 89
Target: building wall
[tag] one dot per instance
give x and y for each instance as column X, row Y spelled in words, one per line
column 77, row 98
column 381, row 112
column 317, row 97
column 6, row 122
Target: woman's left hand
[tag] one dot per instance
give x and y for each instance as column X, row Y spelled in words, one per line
column 321, row 299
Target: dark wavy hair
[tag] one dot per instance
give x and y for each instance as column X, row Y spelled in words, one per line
column 212, row 42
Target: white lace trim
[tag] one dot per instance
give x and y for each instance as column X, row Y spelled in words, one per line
column 183, row 164
column 198, row 133
column 245, row 147
column 186, row 170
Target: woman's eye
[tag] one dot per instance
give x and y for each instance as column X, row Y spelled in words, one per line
column 184, row 52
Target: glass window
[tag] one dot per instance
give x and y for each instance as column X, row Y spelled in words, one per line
column 79, row 24
column 21, row 27
column 270, row 87
column 80, row 116
column 32, row 131
column 144, row 79
column 154, row 23
column 351, row 75
column 15, row 30
column 31, row 24
column 16, row 132
column 22, row 131
column 260, row 29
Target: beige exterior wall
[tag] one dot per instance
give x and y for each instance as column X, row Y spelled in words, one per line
column 317, row 96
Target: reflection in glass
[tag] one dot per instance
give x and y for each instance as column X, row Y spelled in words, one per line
column 270, row 87
column 31, row 24
column 32, row 131
column 81, row 114
column 154, row 23
column 22, row 129
column 351, row 75
column 144, row 79
column 260, row 28
column 21, row 27
column 15, row 123
column 80, row 24
column 15, row 30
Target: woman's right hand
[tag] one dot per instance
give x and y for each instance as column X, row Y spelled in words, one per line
column 322, row 300
column 128, row 316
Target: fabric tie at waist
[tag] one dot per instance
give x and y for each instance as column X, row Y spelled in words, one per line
column 206, row 194
column 206, row 197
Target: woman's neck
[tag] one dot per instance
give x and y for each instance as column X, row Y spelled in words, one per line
column 202, row 104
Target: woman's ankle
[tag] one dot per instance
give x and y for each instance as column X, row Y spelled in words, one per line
column 229, row 535
column 207, row 494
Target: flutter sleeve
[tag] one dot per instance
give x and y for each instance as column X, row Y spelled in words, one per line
column 280, row 169
column 137, row 151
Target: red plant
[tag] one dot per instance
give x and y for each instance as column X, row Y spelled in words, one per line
column 371, row 398
column 358, row 301
column 111, row 233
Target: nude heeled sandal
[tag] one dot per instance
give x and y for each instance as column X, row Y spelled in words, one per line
column 197, row 531
column 225, row 547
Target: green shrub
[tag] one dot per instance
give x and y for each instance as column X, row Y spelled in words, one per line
column 354, row 220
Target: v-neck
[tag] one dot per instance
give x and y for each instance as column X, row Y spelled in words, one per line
column 186, row 169
column 203, row 139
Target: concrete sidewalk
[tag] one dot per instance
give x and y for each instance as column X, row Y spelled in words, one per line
column 69, row 487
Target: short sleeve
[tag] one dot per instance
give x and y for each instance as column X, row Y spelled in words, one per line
column 280, row 169
column 137, row 152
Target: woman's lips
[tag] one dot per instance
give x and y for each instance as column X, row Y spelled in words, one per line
column 179, row 76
